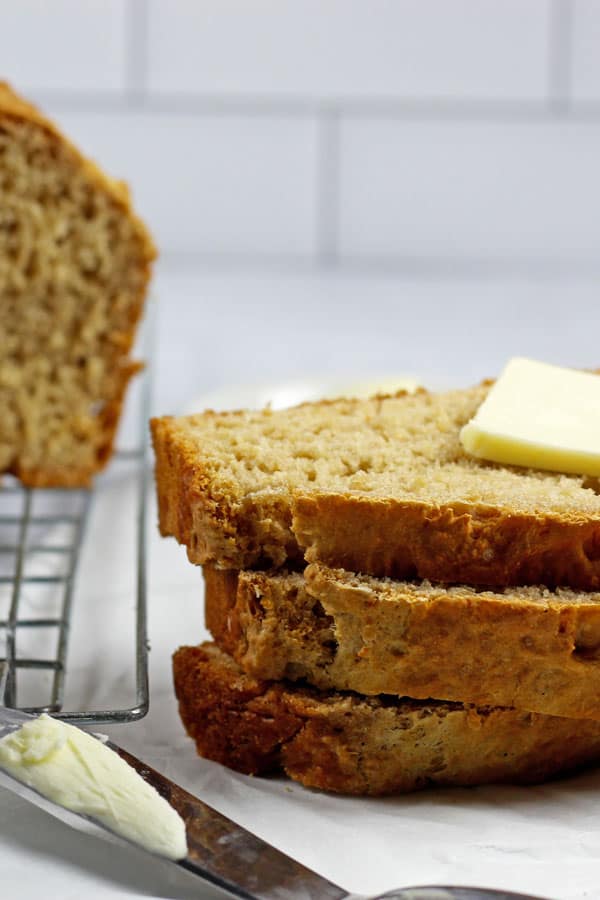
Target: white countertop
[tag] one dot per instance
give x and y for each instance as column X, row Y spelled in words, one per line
column 218, row 329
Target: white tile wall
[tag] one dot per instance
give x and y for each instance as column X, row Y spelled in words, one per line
column 452, row 130
column 351, row 48
column 64, row 45
column 211, row 184
column 460, row 190
column 586, row 50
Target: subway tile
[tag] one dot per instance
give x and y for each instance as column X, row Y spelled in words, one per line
column 467, row 49
column 211, row 184
column 585, row 74
column 466, row 190
column 64, row 45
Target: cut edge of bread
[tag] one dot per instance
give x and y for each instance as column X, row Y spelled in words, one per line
column 465, row 540
column 345, row 743
column 528, row 648
column 50, row 458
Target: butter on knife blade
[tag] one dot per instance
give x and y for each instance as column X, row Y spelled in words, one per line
column 219, row 851
column 540, row 416
column 80, row 773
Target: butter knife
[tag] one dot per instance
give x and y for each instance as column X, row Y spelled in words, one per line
column 225, row 854
column 239, row 862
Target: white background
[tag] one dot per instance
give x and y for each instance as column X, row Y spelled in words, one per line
column 444, row 134
column 342, row 184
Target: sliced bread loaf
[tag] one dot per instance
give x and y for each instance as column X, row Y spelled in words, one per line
column 74, row 265
column 351, row 744
column 380, row 486
column 528, row 648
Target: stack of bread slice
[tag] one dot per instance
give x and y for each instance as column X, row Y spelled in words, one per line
column 387, row 611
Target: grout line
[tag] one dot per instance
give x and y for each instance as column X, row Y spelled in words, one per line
column 422, row 267
column 560, row 55
column 136, row 25
column 457, row 111
column 328, row 187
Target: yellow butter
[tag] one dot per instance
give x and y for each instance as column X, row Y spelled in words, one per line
column 539, row 416
column 77, row 771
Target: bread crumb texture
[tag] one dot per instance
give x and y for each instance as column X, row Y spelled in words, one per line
column 528, row 648
column 399, row 446
column 350, row 744
column 381, row 486
column 74, row 265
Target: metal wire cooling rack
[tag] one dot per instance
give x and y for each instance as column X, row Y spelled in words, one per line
column 45, row 529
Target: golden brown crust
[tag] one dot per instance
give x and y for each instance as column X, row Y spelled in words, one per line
column 273, row 627
column 68, row 476
column 354, row 745
column 530, row 649
column 214, row 525
column 462, row 543
column 220, row 615
column 14, row 106
column 46, row 469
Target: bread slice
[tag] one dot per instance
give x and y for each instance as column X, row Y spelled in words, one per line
column 528, row 648
column 380, row 486
column 74, row 265
column 351, row 744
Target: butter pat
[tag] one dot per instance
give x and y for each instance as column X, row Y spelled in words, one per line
column 80, row 773
column 539, row 416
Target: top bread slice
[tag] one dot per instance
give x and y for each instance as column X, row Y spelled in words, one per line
column 380, row 486
column 74, row 266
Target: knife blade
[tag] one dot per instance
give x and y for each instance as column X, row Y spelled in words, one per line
column 228, row 856
column 234, row 859
column 218, row 850
column 231, row 857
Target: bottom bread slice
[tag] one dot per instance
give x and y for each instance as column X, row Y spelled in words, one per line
column 352, row 744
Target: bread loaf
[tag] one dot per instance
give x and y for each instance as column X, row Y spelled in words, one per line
column 74, row 266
